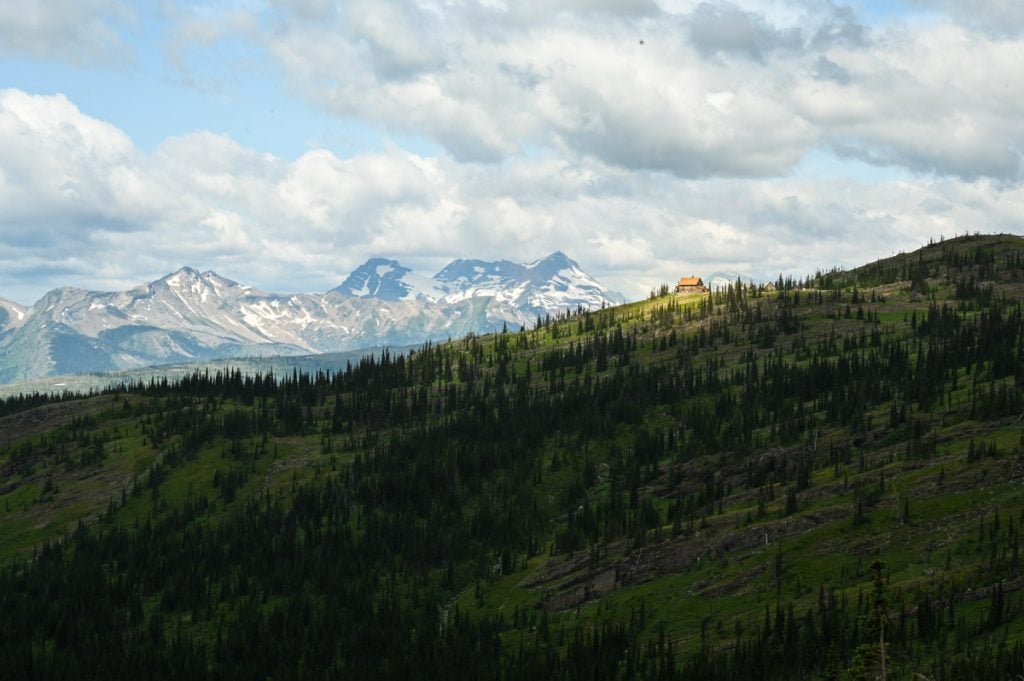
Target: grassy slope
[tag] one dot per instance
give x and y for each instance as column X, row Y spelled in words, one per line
column 709, row 578
column 718, row 577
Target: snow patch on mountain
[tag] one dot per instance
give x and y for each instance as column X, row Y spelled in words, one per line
column 547, row 285
column 12, row 315
column 387, row 280
column 519, row 291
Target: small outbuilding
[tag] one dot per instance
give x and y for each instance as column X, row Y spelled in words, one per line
column 691, row 285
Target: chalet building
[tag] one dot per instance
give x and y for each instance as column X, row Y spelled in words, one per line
column 768, row 287
column 691, row 285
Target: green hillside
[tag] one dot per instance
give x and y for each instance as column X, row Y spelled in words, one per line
column 755, row 484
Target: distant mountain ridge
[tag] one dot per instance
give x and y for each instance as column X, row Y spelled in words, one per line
column 381, row 278
column 12, row 315
column 542, row 286
column 197, row 316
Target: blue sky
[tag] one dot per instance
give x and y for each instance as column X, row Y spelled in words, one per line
column 149, row 100
column 232, row 88
column 283, row 143
column 240, row 92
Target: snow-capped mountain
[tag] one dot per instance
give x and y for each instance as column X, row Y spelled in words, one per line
column 388, row 280
column 550, row 284
column 197, row 316
column 553, row 283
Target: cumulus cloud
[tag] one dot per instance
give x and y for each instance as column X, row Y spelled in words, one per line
column 1003, row 18
column 115, row 216
column 826, row 69
column 400, row 40
column 646, row 139
column 724, row 28
column 58, row 162
column 80, row 31
column 940, row 103
column 580, row 83
column 699, row 90
column 839, row 27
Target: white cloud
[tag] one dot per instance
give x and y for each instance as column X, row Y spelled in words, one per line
column 204, row 200
column 401, row 41
column 79, row 31
column 647, row 140
column 998, row 17
column 584, row 84
column 697, row 89
column 58, row 162
column 939, row 103
column 725, row 28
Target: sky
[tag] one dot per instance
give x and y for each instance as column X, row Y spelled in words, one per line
column 281, row 143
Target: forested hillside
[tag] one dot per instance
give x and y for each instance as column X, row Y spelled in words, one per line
column 824, row 480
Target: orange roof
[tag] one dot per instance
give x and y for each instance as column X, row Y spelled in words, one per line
column 690, row 281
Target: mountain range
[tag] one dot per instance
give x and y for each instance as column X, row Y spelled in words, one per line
column 194, row 316
column 821, row 481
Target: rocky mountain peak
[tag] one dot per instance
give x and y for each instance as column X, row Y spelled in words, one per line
column 190, row 315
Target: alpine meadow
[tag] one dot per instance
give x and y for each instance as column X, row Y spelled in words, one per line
column 818, row 479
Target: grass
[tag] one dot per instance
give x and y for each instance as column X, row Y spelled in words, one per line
column 822, row 545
